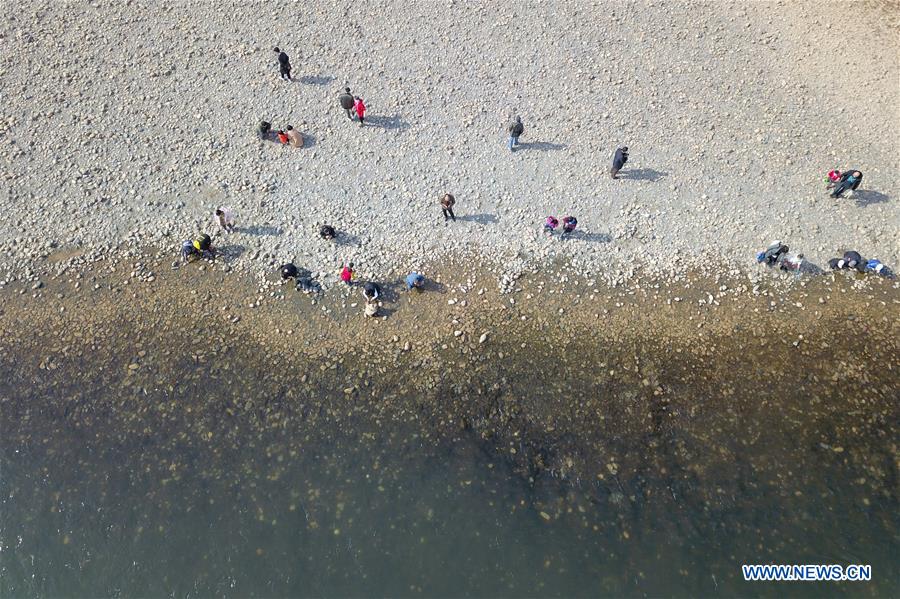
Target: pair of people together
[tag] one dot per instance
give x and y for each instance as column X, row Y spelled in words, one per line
column 353, row 104
column 569, row 223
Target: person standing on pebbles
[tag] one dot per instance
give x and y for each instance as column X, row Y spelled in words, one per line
column 447, row 203
column 360, row 107
column 516, row 129
column 347, row 102
column 284, row 64
column 619, row 160
column 347, row 274
column 225, row 219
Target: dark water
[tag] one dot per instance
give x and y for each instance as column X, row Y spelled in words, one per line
column 210, row 476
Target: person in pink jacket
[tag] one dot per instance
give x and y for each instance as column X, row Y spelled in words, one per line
column 360, row 109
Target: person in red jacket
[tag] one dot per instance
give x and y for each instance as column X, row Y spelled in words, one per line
column 283, row 137
column 360, row 109
column 347, row 274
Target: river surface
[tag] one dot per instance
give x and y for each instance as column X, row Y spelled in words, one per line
column 177, row 475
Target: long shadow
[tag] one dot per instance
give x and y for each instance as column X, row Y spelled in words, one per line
column 309, row 140
column 387, row 122
column 643, row 174
column 259, row 230
column 316, row 79
column 230, row 253
column 808, row 268
column 481, row 219
column 593, row 237
column 864, row 197
column 344, row 238
column 540, row 146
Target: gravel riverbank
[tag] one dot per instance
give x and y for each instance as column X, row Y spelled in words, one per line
column 124, row 124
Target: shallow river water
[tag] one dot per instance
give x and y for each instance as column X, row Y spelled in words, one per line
column 190, row 477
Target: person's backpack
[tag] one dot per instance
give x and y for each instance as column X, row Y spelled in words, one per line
column 346, row 101
column 203, row 243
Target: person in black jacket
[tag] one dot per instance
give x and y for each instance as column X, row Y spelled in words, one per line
column 284, row 63
column 516, row 128
column 849, row 181
column 347, row 102
column 619, row 160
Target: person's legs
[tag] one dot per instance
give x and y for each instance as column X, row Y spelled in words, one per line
column 511, row 138
column 613, row 172
column 516, row 140
column 444, row 212
column 361, row 120
column 453, row 216
column 349, row 113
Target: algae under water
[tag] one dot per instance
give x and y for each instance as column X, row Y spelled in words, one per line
column 137, row 464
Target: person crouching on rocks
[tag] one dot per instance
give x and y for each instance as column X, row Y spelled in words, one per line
column 550, row 224
column 569, row 224
column 851, row 259
column 772, row 254
column 295, row 139
column 371, row 291
column 415, row 280
column 289, row 271
column 327, row 232
column 200, row 246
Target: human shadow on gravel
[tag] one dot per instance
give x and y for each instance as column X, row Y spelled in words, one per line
column 308, row 141
column 387, row 122
column 643, row 174
column 864, row 197
column 594, row 237
column 481, row 219
column 344, row 238
column 259, row 230
column 316, row 79
column 230, row 253
column 540, row 146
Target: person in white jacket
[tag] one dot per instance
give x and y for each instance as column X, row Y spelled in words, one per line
column 224, row 219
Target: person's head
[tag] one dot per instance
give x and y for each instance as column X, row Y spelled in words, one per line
column 277, row 49
column 290, row 128
column 219, row 212
column 624, row 148
column 857, row 174
column 518, row 119
column 350, row 266
column 346, row 90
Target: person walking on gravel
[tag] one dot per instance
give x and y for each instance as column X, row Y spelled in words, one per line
column 619, row 160
column 347, row 102
column 516, row 128
column 447, row 203
column 360, row 107
column 284, row 63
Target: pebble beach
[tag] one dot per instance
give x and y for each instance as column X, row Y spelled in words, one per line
column 124, row 126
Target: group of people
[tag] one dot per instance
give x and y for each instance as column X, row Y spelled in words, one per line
column 371, row 291
column 285, row 137
column 568, row 222
column 778, row 255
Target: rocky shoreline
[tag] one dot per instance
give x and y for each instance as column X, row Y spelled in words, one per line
column 457, row 349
